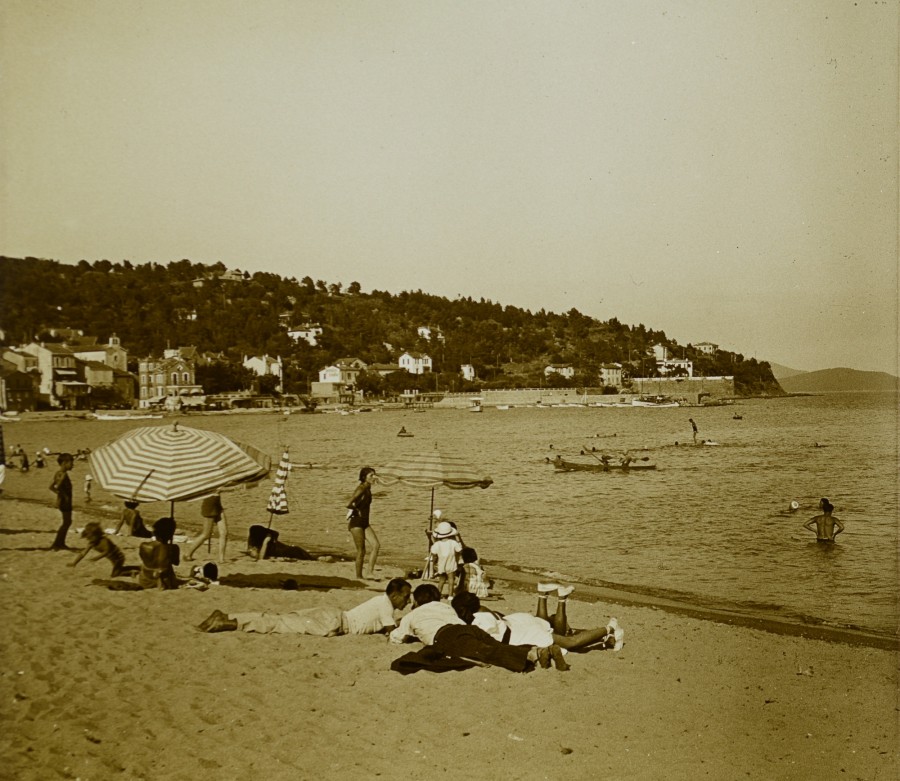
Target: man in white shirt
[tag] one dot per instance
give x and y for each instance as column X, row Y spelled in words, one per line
column 436, row 623
column 371, row 617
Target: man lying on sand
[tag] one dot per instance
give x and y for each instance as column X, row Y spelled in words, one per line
column 437, row 624
column 371, row 617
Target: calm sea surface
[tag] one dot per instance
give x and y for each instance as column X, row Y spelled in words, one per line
column 710, row 526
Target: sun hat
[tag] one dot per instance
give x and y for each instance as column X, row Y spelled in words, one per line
column 444, row 529
column 795, row 505
column 437, row 515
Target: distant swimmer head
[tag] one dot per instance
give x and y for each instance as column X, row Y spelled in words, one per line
column 795, row 505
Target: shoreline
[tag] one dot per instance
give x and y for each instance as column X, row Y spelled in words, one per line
column 523, row 581
column 120, row 684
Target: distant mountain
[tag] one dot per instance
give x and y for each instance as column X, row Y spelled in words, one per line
column 781, row 372
column 830, row 380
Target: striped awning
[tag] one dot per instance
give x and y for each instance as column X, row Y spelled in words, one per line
column 174, row 463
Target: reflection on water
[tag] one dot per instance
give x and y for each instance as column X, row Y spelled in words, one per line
column 710, row 522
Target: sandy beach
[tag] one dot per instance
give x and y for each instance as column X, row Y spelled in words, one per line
column 102, row 684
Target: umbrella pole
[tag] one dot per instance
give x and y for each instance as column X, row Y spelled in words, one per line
column 427, row 572
column 270, row 521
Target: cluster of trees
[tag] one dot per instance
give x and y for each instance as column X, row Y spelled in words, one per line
column 151, row 306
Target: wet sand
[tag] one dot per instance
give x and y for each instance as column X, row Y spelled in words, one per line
column 105, row 684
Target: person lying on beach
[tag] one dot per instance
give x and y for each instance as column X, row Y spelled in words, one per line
column 609, row 636
column 159, row 557
column 539, row 630
column 373, row 616
column 436, row 624
column 104, row 547
column 826, row 527
column 133, row 522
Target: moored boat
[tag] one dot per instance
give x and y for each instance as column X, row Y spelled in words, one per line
column 654, row 401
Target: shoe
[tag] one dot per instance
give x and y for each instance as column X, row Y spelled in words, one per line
column 612, row 626
column 543, row 655
column 546, row 588
column 558, row 659
column 619, row 635
column 563, row 591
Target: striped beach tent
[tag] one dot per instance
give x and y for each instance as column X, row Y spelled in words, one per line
column 174, row 463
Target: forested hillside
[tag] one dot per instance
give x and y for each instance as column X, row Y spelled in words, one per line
column 152, row 306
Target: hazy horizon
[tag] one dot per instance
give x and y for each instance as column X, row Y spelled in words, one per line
column 720, row 172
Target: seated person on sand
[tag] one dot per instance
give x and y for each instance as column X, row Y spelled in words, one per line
column 825, row 526
column 132, row 521
column 436, row 624
column 371, row 617
column 159, row 557
column 104, row 547
column 472, row 578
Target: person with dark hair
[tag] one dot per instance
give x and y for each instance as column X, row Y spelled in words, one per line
column 437, row 624
column 133, row 522
column 358, row 523
column 826, row 527
column 62, row 487
column 371, row 617
column 473, row 578
column 694, row 427
column 159, row 557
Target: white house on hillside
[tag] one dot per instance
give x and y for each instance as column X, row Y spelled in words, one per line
column 611, row 374
column 415, row 363
column 468, row 372
column 563, row 369
column 308, row 332
column 265, row 365
column 707, row 347
column 112, row 354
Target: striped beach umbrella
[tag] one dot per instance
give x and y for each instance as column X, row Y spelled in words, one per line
column 430, row 469
column 278, row 504
column 174, row 464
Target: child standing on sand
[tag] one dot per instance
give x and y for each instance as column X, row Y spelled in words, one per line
column 445, row 551
column 62, row 487
column 105, row 548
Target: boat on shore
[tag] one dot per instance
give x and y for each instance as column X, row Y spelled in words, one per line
column 654, row 401
column 600, row 465
column 107, row 416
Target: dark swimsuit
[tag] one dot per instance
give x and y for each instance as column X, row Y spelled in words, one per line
column 359, row 504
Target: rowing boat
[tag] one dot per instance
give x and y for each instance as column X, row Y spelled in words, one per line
column 599, row 466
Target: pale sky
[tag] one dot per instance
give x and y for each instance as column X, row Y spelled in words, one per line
column 721, row 171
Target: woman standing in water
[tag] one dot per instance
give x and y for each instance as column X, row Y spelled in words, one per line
column 358, row 523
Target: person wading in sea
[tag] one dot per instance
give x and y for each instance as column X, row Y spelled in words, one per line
column 825, row 525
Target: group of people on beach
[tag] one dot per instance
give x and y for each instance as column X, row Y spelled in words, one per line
column 447, row 614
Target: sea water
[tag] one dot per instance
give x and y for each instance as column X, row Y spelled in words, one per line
column 711, row 526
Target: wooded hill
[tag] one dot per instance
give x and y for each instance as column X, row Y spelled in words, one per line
column 152, row 306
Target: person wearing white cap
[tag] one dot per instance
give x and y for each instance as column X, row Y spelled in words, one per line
column 445, row 551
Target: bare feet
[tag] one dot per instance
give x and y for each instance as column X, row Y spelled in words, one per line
column 543, row 656
column 218, row 622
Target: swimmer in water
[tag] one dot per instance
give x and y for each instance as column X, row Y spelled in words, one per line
column 825, row 525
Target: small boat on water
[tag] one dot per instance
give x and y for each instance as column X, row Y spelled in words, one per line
column 404, row 433
column 654, row 401
column 600, row 465
column 106, row 416
column 476, row 406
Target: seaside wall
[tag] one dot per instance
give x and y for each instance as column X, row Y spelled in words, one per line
column 688, row 390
